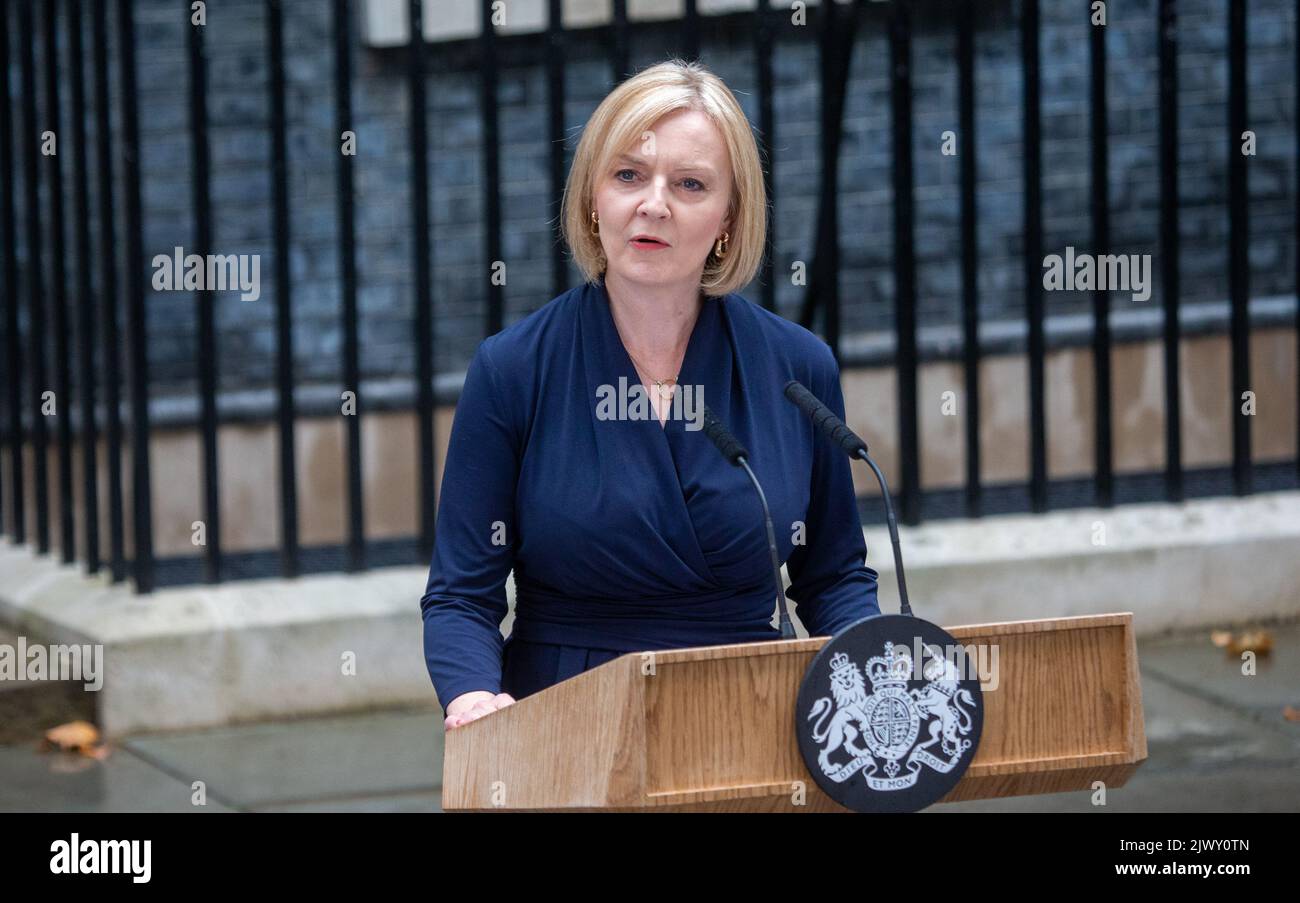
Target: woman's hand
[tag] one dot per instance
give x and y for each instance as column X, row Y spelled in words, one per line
column 468, row 706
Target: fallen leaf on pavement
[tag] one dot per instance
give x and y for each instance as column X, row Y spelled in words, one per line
column 75, row 736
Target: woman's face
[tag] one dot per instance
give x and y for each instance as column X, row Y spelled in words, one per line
column 674, row 185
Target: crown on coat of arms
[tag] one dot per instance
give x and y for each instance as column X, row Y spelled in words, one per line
column 893, row 670
column 841, row 662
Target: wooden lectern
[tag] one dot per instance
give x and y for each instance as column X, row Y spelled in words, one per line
column 711, row 728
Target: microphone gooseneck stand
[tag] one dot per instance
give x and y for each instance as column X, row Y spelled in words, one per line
column 839, row 433
column 736, row 453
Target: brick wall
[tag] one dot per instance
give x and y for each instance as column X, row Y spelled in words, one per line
column 240, row 146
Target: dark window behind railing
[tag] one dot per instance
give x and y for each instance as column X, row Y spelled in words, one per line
column 75, row 61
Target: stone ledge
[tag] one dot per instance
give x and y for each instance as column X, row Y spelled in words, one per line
column 250, row 650
column 243, row 651
column 1199, row 563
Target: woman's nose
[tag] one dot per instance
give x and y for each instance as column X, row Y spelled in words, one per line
column 655, row 199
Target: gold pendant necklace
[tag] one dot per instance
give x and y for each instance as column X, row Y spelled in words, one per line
column 658, row 383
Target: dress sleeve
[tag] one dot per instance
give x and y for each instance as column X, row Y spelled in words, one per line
column 829, row 583
column 464, row 602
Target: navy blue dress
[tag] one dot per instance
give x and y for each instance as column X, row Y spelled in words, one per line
column 627, row 535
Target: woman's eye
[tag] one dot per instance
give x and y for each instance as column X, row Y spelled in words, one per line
column 619, row 176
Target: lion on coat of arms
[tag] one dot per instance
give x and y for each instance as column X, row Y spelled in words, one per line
column 850, row 692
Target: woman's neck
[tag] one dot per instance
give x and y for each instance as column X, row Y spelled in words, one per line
column 654, row 323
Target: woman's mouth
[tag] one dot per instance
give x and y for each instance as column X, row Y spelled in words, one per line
column 648, row 244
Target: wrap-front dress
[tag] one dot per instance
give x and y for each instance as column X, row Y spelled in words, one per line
column 626, row 534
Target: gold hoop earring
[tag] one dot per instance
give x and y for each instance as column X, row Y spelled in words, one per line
column 595, row 224
column 720, row 249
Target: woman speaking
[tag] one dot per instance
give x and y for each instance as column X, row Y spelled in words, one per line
column 576, row 457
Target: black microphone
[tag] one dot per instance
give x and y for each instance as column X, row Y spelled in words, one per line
column 718, row 433
column 734, row 452
column 824, row 419
column 836, row 430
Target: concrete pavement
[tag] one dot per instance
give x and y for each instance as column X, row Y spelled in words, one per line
column 1217, row 742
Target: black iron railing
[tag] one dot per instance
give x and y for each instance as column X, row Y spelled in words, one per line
column 35, row 182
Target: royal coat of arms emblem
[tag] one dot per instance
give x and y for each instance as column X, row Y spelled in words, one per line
column 888, row 723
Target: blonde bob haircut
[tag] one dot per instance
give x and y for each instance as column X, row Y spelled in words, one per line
column 620, row 122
